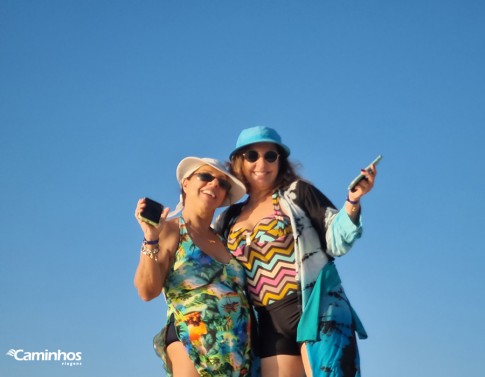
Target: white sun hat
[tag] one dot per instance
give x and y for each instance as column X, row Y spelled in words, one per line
column 189, row 165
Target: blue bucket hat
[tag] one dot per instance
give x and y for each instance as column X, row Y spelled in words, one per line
column 259, row 134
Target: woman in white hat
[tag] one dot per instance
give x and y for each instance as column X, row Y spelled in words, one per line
column 208, row 322
column 286, row 235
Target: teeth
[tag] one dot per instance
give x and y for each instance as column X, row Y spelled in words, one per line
column 209, row 193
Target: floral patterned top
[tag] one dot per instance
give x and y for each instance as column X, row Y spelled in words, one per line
column 210, row 311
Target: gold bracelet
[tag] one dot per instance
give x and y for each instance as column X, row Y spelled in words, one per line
column 152, row 253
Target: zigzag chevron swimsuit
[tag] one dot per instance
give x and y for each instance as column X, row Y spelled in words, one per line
column 267, row 254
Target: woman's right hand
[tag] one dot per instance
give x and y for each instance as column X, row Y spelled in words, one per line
column 150, row 231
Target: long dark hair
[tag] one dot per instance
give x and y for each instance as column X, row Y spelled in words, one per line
column 286, row 169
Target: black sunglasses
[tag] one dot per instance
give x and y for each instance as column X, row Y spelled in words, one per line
column 208, row 177
column 253, row 156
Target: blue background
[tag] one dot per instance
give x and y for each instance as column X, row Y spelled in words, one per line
column 99, row 101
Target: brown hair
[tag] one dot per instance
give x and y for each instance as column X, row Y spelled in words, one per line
column 286, row 169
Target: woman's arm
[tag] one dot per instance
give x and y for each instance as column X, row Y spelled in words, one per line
column 344, row 227
column 153, row 265
column 341, row 231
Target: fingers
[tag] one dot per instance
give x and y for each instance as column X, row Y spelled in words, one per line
column 164, row 214
column 370, row 176
column 140, row 205
column 150, row 231
column 366, row 184
column 373, row 171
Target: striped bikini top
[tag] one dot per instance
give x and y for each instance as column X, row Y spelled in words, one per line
column 267, row 254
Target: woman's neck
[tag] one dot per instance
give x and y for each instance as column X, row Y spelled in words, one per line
column 259, row 197
column 199, row 222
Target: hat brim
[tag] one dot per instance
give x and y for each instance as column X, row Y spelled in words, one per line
column 190, row 164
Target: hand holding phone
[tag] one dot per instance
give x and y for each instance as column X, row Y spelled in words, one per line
column 152, row 212
column 361, row 176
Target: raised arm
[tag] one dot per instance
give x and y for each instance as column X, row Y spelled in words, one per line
column 158, row 248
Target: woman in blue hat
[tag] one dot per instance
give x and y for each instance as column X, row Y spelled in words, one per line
column 286, row 235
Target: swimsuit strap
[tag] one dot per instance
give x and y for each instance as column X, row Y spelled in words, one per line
column 182, row 229
column 278, row 213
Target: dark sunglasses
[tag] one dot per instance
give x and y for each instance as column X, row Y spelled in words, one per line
column 253, row 156
column 208, row 177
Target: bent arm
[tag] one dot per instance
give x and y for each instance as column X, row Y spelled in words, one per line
column 150, row 273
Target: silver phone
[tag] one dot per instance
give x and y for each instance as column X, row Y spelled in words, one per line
column 361, row 176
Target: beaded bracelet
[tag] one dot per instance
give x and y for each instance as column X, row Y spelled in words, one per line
column 152, row 253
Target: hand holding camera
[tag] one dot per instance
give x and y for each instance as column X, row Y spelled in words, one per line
column 151, row 216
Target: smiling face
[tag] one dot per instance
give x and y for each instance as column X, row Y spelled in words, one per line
column 260, row 174
column 207, row 185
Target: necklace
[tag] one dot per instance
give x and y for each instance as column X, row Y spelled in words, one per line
column 208, row 236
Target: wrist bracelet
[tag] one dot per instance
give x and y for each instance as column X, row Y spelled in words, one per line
column 146, row 242
column 152, row 253
column 353, row 202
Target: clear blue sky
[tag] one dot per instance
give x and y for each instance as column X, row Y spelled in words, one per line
column 99, row 100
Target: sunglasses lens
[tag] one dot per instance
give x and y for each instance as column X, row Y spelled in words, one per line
column 225, row 185
column 271, row 156
column 251, row 156
column 207, row 177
